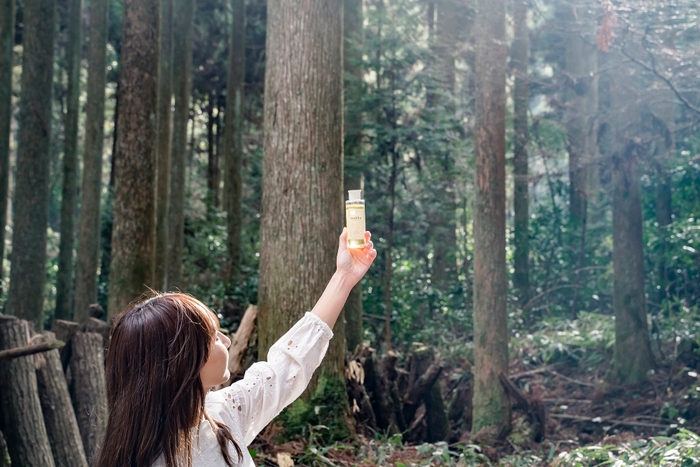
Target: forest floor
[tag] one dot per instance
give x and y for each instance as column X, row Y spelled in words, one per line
column 589, row 421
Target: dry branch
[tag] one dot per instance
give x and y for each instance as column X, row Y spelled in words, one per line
column 30, row 349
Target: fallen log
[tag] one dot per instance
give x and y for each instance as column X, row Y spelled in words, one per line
column 27, row 440
column 56, row 406
column 239, row 342
column 31, row 349
column 89, row 389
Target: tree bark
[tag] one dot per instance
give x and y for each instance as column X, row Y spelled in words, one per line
column 133, row 222
column 353, row 158
column 164, row 148
column 89, row 389
column 302, row 201
column 64, row 276
column 25, row 432
column 56, row 406
column 212, row 156
column 233, row 142
column 520, row 58
column 31, row 198
column 7, row 40
column 491, row 404
column 183, row 20
column 89, row 227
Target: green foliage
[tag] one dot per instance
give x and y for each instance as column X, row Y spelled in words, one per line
column 322, row 417
column 681, row 450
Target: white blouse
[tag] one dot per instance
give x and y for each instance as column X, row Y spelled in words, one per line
column 248, row 405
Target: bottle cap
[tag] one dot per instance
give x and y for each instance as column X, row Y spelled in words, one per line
column 354, row 195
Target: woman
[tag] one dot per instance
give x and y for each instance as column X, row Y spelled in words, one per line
column 165, row 356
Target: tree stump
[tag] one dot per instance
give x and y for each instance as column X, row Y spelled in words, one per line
column 422, row 371
column 98, row 326
column 27, row 441
column 65, row 330
column 59, row 418
column 89, row 389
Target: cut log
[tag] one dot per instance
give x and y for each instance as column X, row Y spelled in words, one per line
column 99, row 327
column 30, row 349
column 379, row 392
column 460, row 410
column 533, row 407
column 27, row 441
column 360, row 404
column 64, row 331
column 59, row 418
column 239, row 342
column 89, row 389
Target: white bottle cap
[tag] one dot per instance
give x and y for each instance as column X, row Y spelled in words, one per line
column 354, row 195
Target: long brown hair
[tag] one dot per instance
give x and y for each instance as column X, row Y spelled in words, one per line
column 154, row 391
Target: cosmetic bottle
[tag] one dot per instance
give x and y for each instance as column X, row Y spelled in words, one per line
column 355, row 218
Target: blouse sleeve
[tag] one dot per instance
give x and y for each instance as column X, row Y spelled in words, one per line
column 269, row 386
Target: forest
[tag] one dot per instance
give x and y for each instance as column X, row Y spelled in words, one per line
column 531, row 173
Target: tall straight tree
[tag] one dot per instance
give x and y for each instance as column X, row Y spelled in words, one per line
column 353, row 161
column 163, row 150
column 581, row 97
column 519, row 58
column 632, row 353
column 302, row 201
column 491, row 403
column 89, row 226
column 31, row 200
column 7, row 40
column 233, row 140
column 441, row 104
column 133, row 229
column 64, row 277
column 183, row 20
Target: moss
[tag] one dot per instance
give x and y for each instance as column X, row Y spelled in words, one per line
column 325, row 412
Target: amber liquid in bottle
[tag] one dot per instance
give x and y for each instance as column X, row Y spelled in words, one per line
column 355, row 219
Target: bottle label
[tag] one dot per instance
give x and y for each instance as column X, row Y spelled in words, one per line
column 355, row 216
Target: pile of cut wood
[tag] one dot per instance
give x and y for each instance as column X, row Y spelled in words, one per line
column 53, row 399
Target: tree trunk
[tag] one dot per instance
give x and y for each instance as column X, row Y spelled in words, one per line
column 25, row 431
column 89, row 389
column 133, row 218
column 212, row 159
column 163, row 150
column 520, row 58
column 31, row 198
column 7, row 40
column 183, row 19
column 491, row 403
column 302, row 201
column 89, row 227
column 233, row 142
column 61, row 424
column 441, row 104
column 665, row 147
column 64, row 276
column 354, row 160
column 581, row 96
column 632, row 354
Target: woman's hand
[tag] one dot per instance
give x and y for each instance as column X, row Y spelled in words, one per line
column 353, row 263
